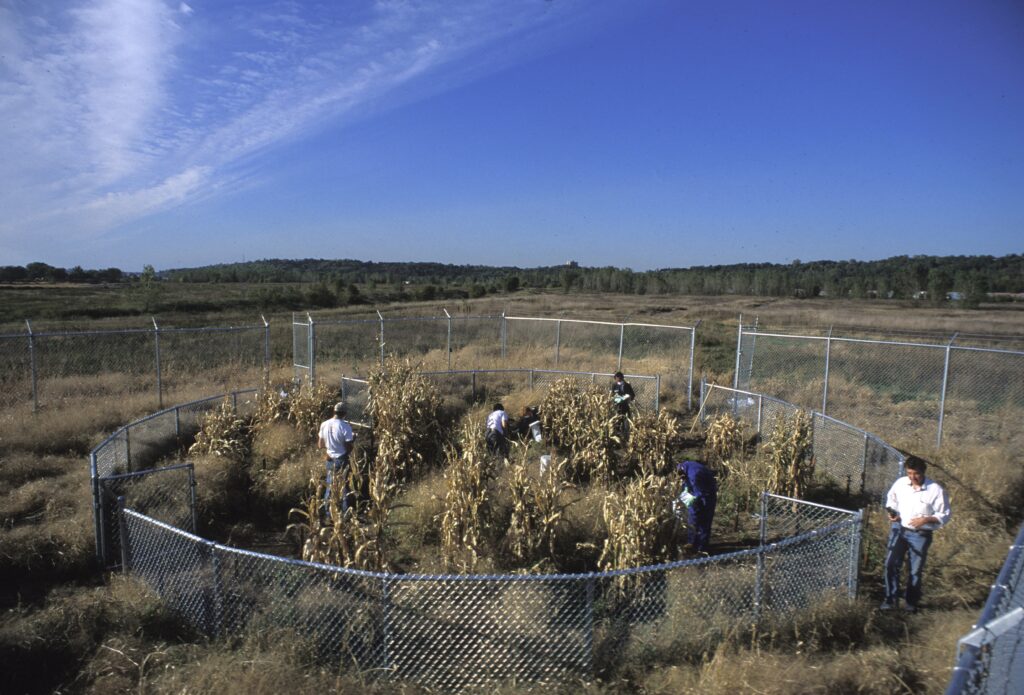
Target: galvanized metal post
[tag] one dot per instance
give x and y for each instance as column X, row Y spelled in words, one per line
column 385, row 595
column 32, row 362
column 864, row 463
column 531, row 380
column 504, row 336
column 159, row 376
column 622, row 338
column 128, row 449
column 473, row 388
column 126, row 554
column 558, row 341
column 449, row 338
column 945, row 382
column 96, row 513
column 192, row 497
column 739, row 343
column 381, row 317
column 266, row 349
column 855, row 553
column 689, row 380
column 828, row 354
column 657, row 392
column 760, row 401
column 311, row 348
column 759, row 578
column 177, row 423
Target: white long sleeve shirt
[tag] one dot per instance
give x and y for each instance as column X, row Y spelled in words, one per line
column 930, row 500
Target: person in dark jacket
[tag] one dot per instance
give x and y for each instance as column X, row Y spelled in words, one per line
column 699, row 481
column 623, row 394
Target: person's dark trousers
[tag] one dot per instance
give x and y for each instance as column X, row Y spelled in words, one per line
column 497, row 443
column 914, row 545
column 348, row 497
column 701, row 513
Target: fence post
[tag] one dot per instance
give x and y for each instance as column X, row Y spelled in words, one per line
column 126, row 553
column 945, row 381
column 760, row 402
column 449, row 338
column 472, row 395
column 531, row 380
column 558, row 341
column 759, row 577
column 311, row 338
column 96, row 508
column 689, row 380
column 657, row 392
column 588, row 634
column 159, row 376
column 192, row 496
column 855, row 553
column 32, row 364
column 828, row 354
column 381, row 317
column 504, row 336
column 622, row 339
column 266, row 349
column 386, row 620
column 128, row 449
column 739, row 342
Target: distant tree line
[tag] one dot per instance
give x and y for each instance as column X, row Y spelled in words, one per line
column 35, row 272
column 898, row 277
column 329, row 283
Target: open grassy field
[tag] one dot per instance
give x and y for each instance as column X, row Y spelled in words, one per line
column 67, row 627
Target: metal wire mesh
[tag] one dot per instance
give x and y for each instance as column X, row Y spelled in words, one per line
column 164, row 494
column 991, row 657
column 850, row 457
column 41, row 368
column 913, row 391
column 457, row 632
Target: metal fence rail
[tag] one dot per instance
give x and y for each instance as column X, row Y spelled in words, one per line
column 853, row 458
column 458, row 631
column 328, row 349
column 936, row 391
column 991, row 657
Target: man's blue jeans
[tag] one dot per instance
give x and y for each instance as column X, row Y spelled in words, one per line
column 914, row 545
column 338, row 465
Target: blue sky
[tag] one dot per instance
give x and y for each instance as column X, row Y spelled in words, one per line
column 639, row 134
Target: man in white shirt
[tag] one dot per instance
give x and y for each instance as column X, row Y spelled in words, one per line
column 917, row 505
column 337, row 438
column 497, row 426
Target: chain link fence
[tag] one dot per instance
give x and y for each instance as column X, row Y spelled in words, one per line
column 122, row 465
column 461, row 631
column 927, row 391
column 991, row 657
column 852, row 458
column 39, row 368
column 329, row 349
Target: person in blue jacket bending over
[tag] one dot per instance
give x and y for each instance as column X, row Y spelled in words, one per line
column 699, row 481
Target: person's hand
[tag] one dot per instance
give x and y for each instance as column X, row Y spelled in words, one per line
column 919, row 521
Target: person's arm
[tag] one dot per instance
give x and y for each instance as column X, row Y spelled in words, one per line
column 940, row 512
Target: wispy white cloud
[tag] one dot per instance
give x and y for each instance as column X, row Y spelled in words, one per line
column 118, row 109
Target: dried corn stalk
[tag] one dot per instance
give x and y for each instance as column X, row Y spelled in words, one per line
column 222, row 433
column 640, row 524
column 580, row 421
column 272, row 406
column 724, row 439
column 466, row 505
column 788, row 449
column 311, row 405
column 652, row 438
column 403, row 407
